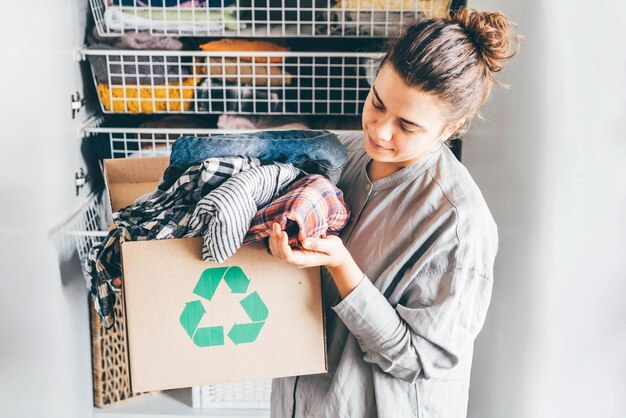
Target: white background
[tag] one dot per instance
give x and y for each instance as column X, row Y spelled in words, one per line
column 549, row 159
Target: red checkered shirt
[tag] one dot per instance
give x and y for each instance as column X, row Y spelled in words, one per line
column 311, row 207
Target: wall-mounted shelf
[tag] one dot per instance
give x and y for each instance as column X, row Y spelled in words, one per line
column 261, row 18
column 331, row 83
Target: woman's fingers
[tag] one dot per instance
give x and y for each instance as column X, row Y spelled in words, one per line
column 316, row 252
column 306, row 258
column 279, row 244
column 273, row 242
column 325, row 245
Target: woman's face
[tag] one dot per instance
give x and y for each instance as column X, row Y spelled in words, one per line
column 401, row 124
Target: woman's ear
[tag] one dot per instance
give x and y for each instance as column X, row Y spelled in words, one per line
column 450, row 129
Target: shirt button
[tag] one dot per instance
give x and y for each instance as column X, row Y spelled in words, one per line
column 368, row 186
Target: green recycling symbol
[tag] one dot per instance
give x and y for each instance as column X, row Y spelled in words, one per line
column 237, row 281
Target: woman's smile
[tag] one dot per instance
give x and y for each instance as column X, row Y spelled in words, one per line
column 376, row 146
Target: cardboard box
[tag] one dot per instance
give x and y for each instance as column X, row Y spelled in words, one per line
column 191, row 322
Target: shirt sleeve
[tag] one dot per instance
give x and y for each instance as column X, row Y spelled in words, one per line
column 441, row 315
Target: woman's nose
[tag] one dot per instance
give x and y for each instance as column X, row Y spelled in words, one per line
column 382, row 131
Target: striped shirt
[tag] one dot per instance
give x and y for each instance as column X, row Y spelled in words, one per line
column 223, row 216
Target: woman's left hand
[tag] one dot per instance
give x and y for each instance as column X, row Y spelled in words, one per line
column 326, row 251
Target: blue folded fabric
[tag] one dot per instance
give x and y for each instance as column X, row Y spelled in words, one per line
column 314, row 152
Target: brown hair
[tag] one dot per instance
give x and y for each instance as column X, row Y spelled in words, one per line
column 454, row 58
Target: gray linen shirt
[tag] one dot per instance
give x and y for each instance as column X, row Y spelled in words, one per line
column 401, row 343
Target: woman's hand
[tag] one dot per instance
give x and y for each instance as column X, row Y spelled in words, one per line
column 326, row 251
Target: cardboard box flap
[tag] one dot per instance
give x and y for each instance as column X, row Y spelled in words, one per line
column 130, row 178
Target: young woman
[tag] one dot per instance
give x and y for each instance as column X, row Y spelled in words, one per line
column 408, row 283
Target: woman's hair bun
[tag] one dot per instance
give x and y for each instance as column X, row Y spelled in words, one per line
column 490, row 32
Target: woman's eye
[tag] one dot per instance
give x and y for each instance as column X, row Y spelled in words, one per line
column 377, row 106
column 404, row 129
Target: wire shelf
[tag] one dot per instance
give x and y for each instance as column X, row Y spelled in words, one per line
column 329, row 83
column 152, row 142
column 87, row 226
column 261, row 18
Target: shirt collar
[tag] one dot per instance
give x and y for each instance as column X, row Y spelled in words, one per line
column 403, row 175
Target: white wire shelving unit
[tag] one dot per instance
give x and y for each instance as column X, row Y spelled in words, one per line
column 278, row 83
column 261, row 18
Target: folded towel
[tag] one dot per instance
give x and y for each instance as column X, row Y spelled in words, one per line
column 432, row 8
column 262, row 122
column 224, row 45
column 133, row 40
column 170, row 97
column 229, row 69
column 180, row 20
column 170, row 3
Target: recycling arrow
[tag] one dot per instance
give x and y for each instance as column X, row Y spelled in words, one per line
column 202, row 337
column 206, row 287
column 245, row 333
column 254, row 307
column 211, row 277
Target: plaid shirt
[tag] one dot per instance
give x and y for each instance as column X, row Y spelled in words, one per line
column 311, row 207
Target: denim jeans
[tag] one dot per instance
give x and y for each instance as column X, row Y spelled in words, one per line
column 314, row 152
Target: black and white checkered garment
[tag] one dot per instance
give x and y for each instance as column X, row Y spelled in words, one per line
column 164, row 213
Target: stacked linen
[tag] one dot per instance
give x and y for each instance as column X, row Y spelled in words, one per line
column 433, row 8
column 133, row 69
column 241, row 83
column 170, row 97
column 381, row 17
column 132, row 83
column 283, row 12
column 174, row 16
column 263, row 122
column 170, row 3
column 242, row 69
column 228, row 200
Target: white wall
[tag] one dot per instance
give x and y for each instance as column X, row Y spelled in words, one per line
column 44, row 331
column 550, row 161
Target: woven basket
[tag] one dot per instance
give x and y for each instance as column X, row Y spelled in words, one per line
column 109, row 354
